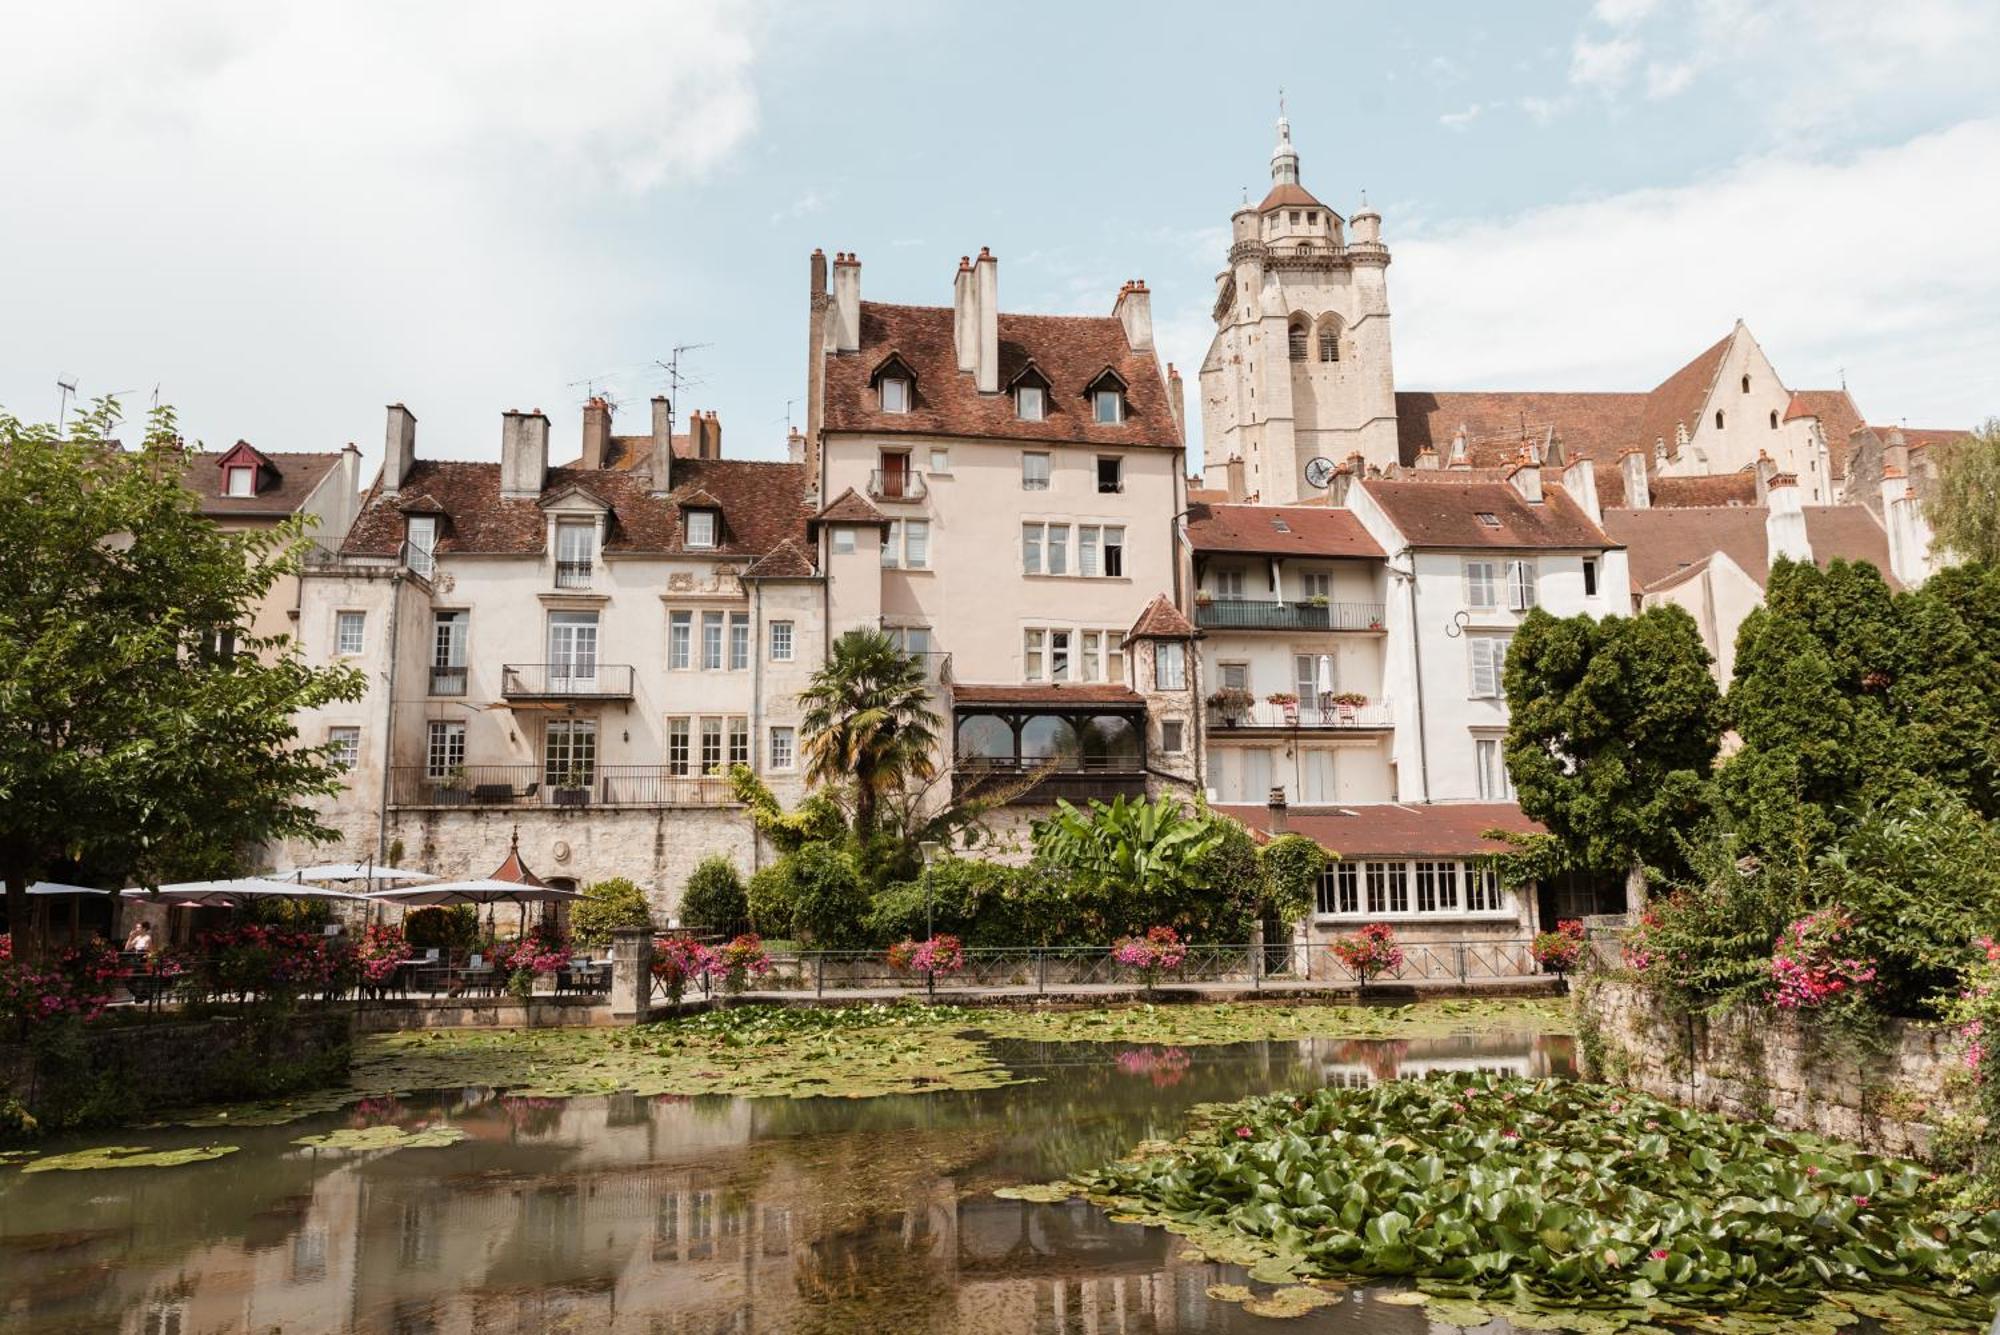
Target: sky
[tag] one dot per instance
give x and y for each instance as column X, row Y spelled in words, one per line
column 280, row 216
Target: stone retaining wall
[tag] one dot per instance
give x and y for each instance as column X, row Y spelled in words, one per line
column 386, row 1017
column 1771, row 1066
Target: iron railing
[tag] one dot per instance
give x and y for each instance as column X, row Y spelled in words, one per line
column 896, row 485
column 573, row 574
column 586, row 678
column 448, row 680
column 533, row 786
column 1077, row 778
column 1264, row 714
column 1245, row 614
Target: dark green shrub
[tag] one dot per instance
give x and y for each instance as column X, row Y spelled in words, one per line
column 966, row 897
column 770, row 899
column 606, row 907
column 439, row 928
column 1292, row 866
column 714, row 898
column 829, row 906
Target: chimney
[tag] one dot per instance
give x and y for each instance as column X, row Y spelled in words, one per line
column 1134, row 309
column 1459, row 458
column 846, row 303
column 1177, row 401
column 1785, row 521
column 1895, row 452
column 711, row 435
column 662, row 463
column 965, row 317
column 1526, row 478
column 1279, row 821
column 1638, row 491
column 1343, row 481
column 1233, row 473
column 986, row 279
column 1579, row 479
column 596, row 432
column 818, row 288
column 399, row 448
column 524, row 454
column 1660, row 449
column 795, row 446
column 1427, row 459
column 1766, row 470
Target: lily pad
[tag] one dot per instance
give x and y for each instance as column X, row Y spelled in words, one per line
column 384, row 1138
column 1046, row 1193
column 126, row 1156
column 1230, row 1293
column 1458, row 1312
column 1289, row 1302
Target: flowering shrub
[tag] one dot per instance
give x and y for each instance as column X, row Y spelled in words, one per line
column 940, row 954
column 258, row 960
column 1558, row 951
column 381, row 952
column 542, row 951
column 739, row 961
column 677, row 961
column 1159, row 950
column 76, row 982
column 1369, row 952
column 1808, row 969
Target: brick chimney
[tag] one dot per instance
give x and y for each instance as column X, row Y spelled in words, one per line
column 1638, row 490
column 399, row 448
column 846, row 303
column 1232, row 473
column 661, row 465
column 711, row 435
column 524, row 454
column 596, row 432
column 1280, row 821
column 1134, row 309
column 1765, row 470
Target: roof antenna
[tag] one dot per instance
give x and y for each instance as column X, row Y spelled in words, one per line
column 68, row 388
column 676, row 382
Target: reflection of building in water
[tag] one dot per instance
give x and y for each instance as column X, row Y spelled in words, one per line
column 1359, row 1063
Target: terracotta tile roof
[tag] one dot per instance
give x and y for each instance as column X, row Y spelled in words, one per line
column 850, row 507
column 1073, row 351
column 1161, row 621
column 1446, row 514
column 1679, row 398
column 788, row 560
column 514, row 869
column 1306, row 531
column 1437, row 829
column 1498, row 423
column 1290, row 195
column 762, row 504
column 288, row 479
column 1051, row 693
column 1207, row 496
column 1705, row 489
column 1838, row 421
column 1662, row 543
column 1921, row 438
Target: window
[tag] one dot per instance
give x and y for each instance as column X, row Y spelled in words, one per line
column 1774, row 419
column 680, row 641
column 1437, row 887
column 1093, row 649
column 445, row 750
column 781, row 641
column 1031, row 403
column 783, row 751
column 917, row 544
column 349, row 632
column 1490, row 763
column 1031, row 549
column 892, row 544
column 739, row 741
column 739, row 641
column 940, row 459
column 1312, row 217
column 1114, row 657
column 346, row 744
column 1110, row 406
column 895, row 394
column 701, row 528
column 1482, row 890
column 677, row 746
column 843, row 541
column 1746, row 384
column 1100, row 550
column 572, row 649
column 892, row 478
column 1172, row 736
column 1299, row 337
column 575, row 545
column 1110, row 474
column 711, row 641
column 1520, row 585
column 1170, row 666
column 1034, row 472
column 1487, row 518
column 1058, row 655
column 1480, row 580
column 1340, row 889
column 420, row 533
column 242, row 482
column 1388, row 887
column 1589, row 577
column 448, row 652
column 569, row 753
column 1718, row 419
column 711, row 746
column 1032, row 645
column 1329, row 344
column 1229, row 585
column 1316, row 584
column 912, row 640
column 1235, row 676
column 1489, row 654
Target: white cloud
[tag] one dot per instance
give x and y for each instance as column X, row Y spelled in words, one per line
column 292, row 212
column 1602, row 65
column 1622, row 13
column 804, row 206
column 1543, row 110
column 1882, row 263
column 1664, row 80
column 1458, row 120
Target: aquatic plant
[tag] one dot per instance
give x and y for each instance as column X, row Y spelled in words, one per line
column 384, row 1137
column 125, row 1156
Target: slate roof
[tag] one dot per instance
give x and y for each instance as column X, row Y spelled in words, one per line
column 296, row 475
column 1072, row 351
column 1661, row 544
column 762, row 504
column 1161, row 621
column 1379, row 829
column 1306, row 531
column 1446, row 514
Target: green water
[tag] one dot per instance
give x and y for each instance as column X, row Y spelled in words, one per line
column 676, row 1216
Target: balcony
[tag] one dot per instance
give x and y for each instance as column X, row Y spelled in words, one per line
column 896, row 484
column 489, row 786
column 573, row 574
column 1076, row 778
column 1291, row 718
column 1243, row 614
column 575, row 680
column 448, row 680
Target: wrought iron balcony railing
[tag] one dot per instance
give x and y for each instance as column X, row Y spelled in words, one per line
column 534, row 786
column 1244, row 614
column 1264, row 714
column 891, row 484
column 576, row 679
column 448, row 680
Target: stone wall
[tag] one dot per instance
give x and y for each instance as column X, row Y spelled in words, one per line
column 1771, row 1066
column 387, row 1017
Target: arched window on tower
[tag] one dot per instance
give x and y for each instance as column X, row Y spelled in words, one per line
column 1299, row 339
column 1746, row 384
column 1718, row 419
column 1774, row 419
column 1329, row 339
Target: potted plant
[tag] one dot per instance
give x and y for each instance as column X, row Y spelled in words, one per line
column 1232, row 702
column 1287, row 703
column 450, row 789
column 1559, row 952
column 1158, row 951
column 572, row 788
column 1317, row 600
column 1345, row 703
column 1203, row 598
column 1370, row 951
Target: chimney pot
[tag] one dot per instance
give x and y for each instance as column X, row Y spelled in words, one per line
column 1279, row 814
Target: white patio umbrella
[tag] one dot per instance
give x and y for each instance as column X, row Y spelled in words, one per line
column 482, row 891
column 235, row 893
column 57, row 888
column 354, row 871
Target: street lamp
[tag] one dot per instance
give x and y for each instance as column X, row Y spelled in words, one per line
column 931, row 850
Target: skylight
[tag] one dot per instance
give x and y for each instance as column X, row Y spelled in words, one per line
column 1280, row 525
column 1489, row 519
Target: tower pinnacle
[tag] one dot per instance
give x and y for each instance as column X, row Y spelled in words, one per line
column 1284, row 158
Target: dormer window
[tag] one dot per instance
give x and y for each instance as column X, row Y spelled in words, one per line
column 239, row 481
column 1108, row 406
column 1031, row 403
column 895, row 394
column 702, row 526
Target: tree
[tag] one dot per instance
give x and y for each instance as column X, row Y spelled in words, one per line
column 135, row 738
column 1292, row 865
column 1138, row 864
column 1964, row 506
column 714, row 898
column 607, row 906
column 1614, row 727
column 868, row 722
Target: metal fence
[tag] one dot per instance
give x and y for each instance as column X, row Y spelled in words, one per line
column 532, row 786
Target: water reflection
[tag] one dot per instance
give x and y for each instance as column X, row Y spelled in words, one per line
column 675, row 1216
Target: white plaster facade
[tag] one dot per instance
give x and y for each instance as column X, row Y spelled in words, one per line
column 1747, row 413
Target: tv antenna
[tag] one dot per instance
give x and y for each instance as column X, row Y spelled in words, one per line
column 68, row 392
column 596, row 387
column 677, row 380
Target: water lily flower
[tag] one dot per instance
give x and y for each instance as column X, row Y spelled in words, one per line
column 1243, row 1133
column 1658, row 1253
column 1861, row 1201
column 1812, row 1170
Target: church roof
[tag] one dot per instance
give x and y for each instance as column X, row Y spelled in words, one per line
column 1289, row 195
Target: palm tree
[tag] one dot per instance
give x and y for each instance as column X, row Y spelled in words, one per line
column 869, row 721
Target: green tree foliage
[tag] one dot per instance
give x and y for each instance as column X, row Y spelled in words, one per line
column 1227, row 894
column 714, row 898
column 868, row 722
column 818, row 819
column 770, row 898
column 606, row 907
column 1122, row 867
column 829, row 905
column 1708, row 942
column 442, row 928
column 1964, row 506
column 1154, row 847
column 128, row 742
column 1614, row 726
column 977, row 901
column 1292, row 865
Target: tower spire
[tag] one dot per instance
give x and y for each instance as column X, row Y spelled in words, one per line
column 1284, row 158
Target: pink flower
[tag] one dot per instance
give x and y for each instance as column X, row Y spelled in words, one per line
column 1861, row 1201
column 1243, row 1133
column 1510, row 1134
column 1658, row 1253
column 1812, row 1170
